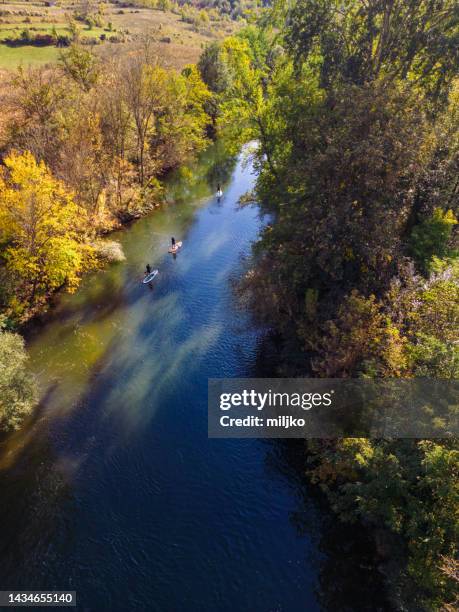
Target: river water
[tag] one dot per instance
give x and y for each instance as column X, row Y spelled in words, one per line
column 113, row 488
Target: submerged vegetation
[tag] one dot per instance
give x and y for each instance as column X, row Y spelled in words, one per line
column 356, row 108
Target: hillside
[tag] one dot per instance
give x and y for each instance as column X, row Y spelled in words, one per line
column 33, row 33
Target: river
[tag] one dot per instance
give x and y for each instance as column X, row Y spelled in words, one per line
column 113, row 488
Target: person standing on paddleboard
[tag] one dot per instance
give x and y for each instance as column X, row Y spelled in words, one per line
column 148, row 269
column 173, row 242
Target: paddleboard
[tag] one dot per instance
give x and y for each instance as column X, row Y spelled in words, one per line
column 150, row 277
column 178, row 245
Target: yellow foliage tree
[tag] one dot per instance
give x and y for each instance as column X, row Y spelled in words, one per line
column 42, row 228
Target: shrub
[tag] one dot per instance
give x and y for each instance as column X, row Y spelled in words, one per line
column 109, row 251
column 90, row 40
column 37, row 40
column 18, row 391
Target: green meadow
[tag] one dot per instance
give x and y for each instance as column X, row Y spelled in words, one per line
column 11, row 57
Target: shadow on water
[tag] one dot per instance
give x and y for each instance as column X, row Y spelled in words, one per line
column 349, row 579
column 36, row 502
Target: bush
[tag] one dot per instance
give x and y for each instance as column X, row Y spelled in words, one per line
column 90, row 40
column 18, row 391
column 110, row 251
column 36, row 40
column 43, row 40
column 63, row 41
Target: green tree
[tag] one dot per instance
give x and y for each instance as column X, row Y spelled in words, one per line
column 214, row 71
column 359, row 42
column 81, row 65
column 406, row 487
column 432, row 237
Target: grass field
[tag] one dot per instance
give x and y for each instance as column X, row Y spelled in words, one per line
column 177, row 43
column 12, row 57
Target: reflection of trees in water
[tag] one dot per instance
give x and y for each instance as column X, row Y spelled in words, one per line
column 200, row 179
column 35, row 495
column 104, row 295
column 221, row 171
column 349, row 580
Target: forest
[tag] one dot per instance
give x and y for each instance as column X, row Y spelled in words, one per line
column 355, row 106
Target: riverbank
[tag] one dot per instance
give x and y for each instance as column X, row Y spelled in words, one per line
column 106, row 252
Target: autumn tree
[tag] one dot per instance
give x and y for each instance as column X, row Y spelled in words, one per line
column 180, row 124
column 39, row 99
column 85, row 162
column 116, row 123
column 42, row 227
column 144, row 87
